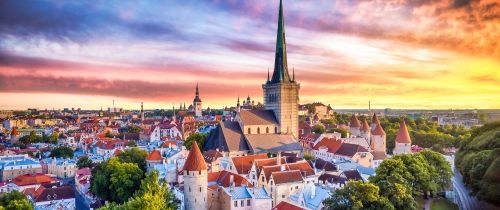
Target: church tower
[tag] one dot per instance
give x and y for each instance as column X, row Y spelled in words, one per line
column 142, row 111
column 195, row 180
column 197, row 103
column 281, row 93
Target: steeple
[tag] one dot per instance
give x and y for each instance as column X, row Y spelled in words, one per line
column 280, row 73
column 197, row 96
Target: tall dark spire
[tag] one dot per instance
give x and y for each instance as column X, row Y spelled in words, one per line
column 197, row 97
column 280, row 73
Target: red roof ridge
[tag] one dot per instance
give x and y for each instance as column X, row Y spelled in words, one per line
column 379, row 131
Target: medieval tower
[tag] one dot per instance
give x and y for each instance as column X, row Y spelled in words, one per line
column 197, row 103
column 195, row 180
column 281, row 93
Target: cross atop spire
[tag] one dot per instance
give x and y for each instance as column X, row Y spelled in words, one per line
column 280, row 73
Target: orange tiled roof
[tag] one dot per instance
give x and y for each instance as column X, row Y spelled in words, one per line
column 243, row 164
column 403, row 136
column 195, row 161
column 375, row 119
column 155, row 155
column 284, row 205
column 332, row 144
column 223, row 178
column 280, row 177
column 31, row 179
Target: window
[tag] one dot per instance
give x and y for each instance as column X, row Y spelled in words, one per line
column 258, row 130
column 248, row 202
column 187, row 172
column 199, row 172
column 200, row 189
column 271, row 182
column 242, row 203
column 297, row 187
column 262, row 178
column 235, row 203
column 249, row 131
column 275, row 129
column 282, row 196
column 189, row 189
column 267, row 129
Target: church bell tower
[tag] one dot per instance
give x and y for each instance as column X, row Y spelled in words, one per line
column 281, row 93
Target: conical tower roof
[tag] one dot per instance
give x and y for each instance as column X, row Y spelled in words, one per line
column 195, row 160
column 365, row 126
column 354, row 122
column 375, row 119
column 379, row 131
column 280, row 73
column 403, row 136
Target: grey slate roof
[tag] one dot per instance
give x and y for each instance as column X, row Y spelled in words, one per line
column 226, row 137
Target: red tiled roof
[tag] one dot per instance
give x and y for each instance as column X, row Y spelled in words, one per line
column 301, row 166
column 284, row 205
column 403, row 136
column 14, row 132
column 332, row 144
column 155, row 155
column 243, row 164
column 195, row 161
column 280, row 177
column 223, row 178
column 31, row 179
column 365, row 126
column 354, row 122
column 379, row 131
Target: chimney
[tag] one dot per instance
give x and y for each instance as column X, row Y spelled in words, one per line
column 313, row 191
column 231, row 180
column 282, row 167
column 278, row 159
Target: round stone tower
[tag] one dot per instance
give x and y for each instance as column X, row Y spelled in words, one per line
column 195, row 180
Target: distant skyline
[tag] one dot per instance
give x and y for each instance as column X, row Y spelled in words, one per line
column 397, row 53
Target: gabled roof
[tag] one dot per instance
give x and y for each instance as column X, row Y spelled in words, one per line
column 243, row 164
column 302, row 166
column 155, row 155
column 32, row 179
column 226, row 137
column 195, row 160
column 350, row 150
column 331, row 144
column 54, row 193
column 285, row 205
column 354, row 122
column 403, row 136
column 353, row 175
column 223, row 178
column 331, row 178
column 211, row 155
column 323, row 165
column 258, row 117
column 281, row 177
column 263, row 143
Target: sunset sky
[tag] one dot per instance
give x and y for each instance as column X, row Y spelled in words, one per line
column 397, row 53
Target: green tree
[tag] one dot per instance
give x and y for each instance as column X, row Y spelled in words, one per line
column 115, row 181
column 15, row 201
column 199, row 138
column 152, row 194
column 134, row 155
column 134, row 129
column 62, row 152
column 84, row 162
column 439, row 168
column 357, row 195
column 131, row 143
column 308, row 157
column 343, row 132
column 318, row 129
column 53, row 138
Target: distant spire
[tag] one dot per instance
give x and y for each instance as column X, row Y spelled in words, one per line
column 280, row 73
column 293, row 74
column 142, row 107
column 197, row 92
column 238, row 102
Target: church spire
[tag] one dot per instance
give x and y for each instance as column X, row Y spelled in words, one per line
column 280, row 73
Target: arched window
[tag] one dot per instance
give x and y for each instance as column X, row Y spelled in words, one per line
column 249, row 131
column 258, row 130
column 275, row 129
column 267, row 129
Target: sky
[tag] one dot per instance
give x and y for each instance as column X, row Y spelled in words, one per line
column 435, row 54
